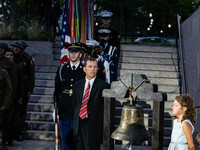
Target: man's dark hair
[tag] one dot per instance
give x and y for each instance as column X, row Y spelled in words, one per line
column 90, row 59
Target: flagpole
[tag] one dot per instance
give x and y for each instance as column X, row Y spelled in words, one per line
column 56, row 128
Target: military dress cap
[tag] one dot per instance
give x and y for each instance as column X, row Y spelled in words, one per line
column 23, row 43
column 17, row 44
column 92, row 43
column 84, row 48
column 106, row 14
column 76, row 47
column 104, row 32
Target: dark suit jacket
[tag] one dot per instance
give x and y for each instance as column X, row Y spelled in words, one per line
column 95, row 108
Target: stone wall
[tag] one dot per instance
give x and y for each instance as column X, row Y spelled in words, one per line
column 190, row 30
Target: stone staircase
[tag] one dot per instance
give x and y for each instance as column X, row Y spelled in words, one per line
column 160, row 65
column 40, row 107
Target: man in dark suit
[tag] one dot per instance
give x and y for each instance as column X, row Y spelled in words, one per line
column 88, row 108
column 67, row 75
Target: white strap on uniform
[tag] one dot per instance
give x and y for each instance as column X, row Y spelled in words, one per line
column 60, row 72
column 111, row 50
column 107, row 71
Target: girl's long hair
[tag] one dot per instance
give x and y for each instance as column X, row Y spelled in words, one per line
column 186, row 101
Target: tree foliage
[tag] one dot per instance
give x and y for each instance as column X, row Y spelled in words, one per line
column 129, row 15
column 164, row 12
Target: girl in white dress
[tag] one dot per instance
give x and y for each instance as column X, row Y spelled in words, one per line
column 181, row 138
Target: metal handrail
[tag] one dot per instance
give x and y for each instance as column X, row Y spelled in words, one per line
column 181, row 55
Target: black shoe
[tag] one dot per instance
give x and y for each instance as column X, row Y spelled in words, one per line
column 20, row 138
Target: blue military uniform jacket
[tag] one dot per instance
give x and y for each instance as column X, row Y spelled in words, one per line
column 111, row 51
column 64, row 82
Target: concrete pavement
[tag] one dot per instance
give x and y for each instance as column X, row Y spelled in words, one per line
column 32, row 145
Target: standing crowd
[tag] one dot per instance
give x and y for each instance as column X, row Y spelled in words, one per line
column 79, row 85
column 78, row 92
column 17, row 78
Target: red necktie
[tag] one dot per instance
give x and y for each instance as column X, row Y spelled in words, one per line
column 83, row 110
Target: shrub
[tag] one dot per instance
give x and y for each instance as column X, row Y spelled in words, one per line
column 26, row 30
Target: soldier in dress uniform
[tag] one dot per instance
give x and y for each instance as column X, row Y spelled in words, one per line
column 84, row 53
column 67, row 75
column 114, row 35
column 5, row 101
column 25, row 63
column 109, row 52
column 95, row 51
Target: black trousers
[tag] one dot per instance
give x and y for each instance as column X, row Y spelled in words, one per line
column 5, row 125
column 83, row 141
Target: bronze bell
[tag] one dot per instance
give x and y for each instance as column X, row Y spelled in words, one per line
column 131, row 127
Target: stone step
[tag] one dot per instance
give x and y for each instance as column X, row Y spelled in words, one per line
column 43, row 91
column 139, row 60
column 46, row 69
column 49, row 60
column 57, row 56
column 56, row 50
column 165, row 81
column 151, row 73
column 41, row 99
column 41, row 125
column 40, row 107
column 143, row 48
column 148, row 55
column 169, row 88
column 44, row 83
column 39, row 116
column 45, row 76
column 148, row 67
column 39, row 135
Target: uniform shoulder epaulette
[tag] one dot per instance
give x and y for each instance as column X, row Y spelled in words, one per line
column 65, row 63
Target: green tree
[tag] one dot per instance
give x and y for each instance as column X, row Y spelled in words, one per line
column 164, row 12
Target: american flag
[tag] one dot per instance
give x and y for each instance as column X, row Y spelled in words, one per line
column 65, row 35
